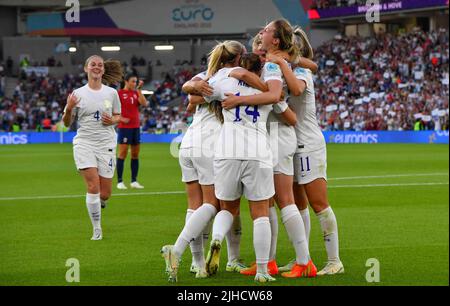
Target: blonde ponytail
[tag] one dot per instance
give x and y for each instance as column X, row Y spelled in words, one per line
column 304, row 46
column 214, row 59
column 224, row 53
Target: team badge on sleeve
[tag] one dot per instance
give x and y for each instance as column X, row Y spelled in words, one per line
column 300, row 71
column 271, row 67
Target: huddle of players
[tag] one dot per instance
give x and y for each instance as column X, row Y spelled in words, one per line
column 255, row 134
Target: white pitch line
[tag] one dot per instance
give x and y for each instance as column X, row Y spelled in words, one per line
column 82, row 196
column 388, row 176
column 389, row 185
column 183, row 192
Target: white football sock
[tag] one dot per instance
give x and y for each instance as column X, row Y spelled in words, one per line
column 195, row 245
column 233, row 238
column 189, row 213
column 295, row 228
column 197, row 251
column 194, row 227
column 307, row 222
column 207, row 232
column 273, row 218
column 329, row 227
column 222, row 225
column 261, row 243
column 94, row 209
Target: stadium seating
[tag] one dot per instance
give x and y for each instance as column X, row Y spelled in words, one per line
column 382, row 83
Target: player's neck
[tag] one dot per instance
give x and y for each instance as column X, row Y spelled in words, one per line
column 95, row 84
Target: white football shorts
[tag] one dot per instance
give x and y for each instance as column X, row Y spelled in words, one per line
column 199, row 169
column 104, row 159
column 310, row 166
column 251, row 178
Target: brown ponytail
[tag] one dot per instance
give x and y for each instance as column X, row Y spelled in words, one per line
column 113, row 72
column 215, row 107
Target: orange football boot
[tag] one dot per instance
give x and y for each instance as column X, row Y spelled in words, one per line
column 308, row 270
column 271, row 267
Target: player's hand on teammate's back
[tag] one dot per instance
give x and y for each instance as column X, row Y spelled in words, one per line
column 72, row 101
column 231, row 101
column 204, row 88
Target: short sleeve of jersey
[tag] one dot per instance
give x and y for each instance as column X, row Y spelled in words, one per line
column 201, row 75
column 301, row 74
column 225, row 86
column 117, row 109
column 272, row 71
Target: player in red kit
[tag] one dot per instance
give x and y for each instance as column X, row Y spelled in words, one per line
column 131, row 98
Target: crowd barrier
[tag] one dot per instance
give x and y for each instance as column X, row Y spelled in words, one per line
column 371, row 137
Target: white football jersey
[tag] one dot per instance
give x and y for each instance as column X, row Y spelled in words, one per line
column 309, row 134
column 244, row 134
column 285, row 134
column 203, row 131
column 93, row 103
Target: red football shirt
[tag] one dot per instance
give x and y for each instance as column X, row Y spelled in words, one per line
column 129, row 100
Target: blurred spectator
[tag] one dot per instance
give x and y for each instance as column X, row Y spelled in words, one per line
column 381, row 83
column 24, row 63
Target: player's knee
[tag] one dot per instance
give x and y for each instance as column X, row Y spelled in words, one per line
column 233, row 209
column 105, row 195
column 93, row 188
column 285, row 199
column 259, row 213
column 319, row 205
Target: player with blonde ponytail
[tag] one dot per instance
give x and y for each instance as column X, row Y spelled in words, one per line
column 310, row 162
column 277, row 37
column 198, row 170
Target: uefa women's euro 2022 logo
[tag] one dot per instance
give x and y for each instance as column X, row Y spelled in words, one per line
column 193, row 14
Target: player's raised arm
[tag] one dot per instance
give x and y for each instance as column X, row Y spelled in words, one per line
column 296, row 86
column 197, row 86
column 250, row 78
column 141, row 98
column 72, row 102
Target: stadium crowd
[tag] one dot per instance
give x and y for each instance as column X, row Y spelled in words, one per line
column 38, row 102
column 382, row 83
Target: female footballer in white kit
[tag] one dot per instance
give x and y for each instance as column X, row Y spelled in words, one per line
column 277, row 36
column 310, row 162
column 97, row 108
column 243, row 166
column 196, row 160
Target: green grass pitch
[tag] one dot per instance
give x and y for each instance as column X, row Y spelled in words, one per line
column 391, row 203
